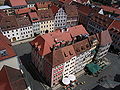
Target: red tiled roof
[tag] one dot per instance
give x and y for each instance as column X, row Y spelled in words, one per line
column 115, row 24
column 66, row 1
column 34, row 17
column 11, row 79
column 77, row 30
column 71, row 10
column 110, row 9
column 45, row 14
column 6, row 45
column 54, row 9
column 87, row 10
column 17, row 3
column 24, row 10
column 49, row 40
column 81, row 46
column 82, row 1
column 104, row 38
column 44, row 4
column 101, row 19
column 60, row 56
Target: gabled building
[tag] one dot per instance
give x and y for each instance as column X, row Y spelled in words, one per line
column 16, row 5
column 7, row 54
column 12, row 79
column 114, row 30
column 46, row 21
column 55, row 57
column 104, row 44
column 60, row 17
column 72, row 15
column 35, row 22
column 98, row 23
column 16, row 29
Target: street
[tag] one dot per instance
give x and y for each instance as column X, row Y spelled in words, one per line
column 23, row 51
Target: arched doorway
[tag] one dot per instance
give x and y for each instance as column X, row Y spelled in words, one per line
column 14, row 38
column 46, row 31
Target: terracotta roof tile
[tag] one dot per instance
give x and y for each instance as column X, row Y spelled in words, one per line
column 13, row 78
column 8, row 23
column 82, row 1
column 101, row 19
column 104, row 38
column 34, row 17
column 110, row 9
column 115, row 24
column 44, row 4
column 23, row 21
column 87, row 10
column 71, row 10
column 24, row 10
column 6, row 45
column 77, row 30
column 60, row 56
column 45, row 14
column 18, row 3
column 81, row 46
column 65, row 1
column 54, row 9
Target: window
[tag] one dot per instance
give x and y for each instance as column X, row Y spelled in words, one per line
column 13, row 34
column 8, row 35
column 17, row 33
column 17, row 37
column 3, row 53
column 4, row 32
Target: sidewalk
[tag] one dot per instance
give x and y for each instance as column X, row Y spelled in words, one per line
column 22, row 41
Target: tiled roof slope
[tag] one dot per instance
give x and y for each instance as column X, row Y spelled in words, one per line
column 50, row 39
column 104, row 38
column 110, row 9
column 115, row 24
column 44, row 4
column 6, row 45
column 60, row 56
column 45, row 14
column 12, row 79
column 17, row 3
column 33, row 17
column 77, row 30
column 71, row 10
column 8, row 23
column 101, row 19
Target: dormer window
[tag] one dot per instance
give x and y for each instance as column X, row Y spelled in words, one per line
column 3, row 53
column 70, row 53
column 65, row 54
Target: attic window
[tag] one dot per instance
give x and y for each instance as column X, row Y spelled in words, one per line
column 82, row 47
column 87, row 46
column 8, row 26
column 34, row 19
column 3, row 53
column 65, row 54
column 70, row 53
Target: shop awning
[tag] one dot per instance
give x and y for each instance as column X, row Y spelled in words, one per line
column 93, row 68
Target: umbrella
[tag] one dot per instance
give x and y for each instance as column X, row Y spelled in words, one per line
column 72, row 77
column 66, row 81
